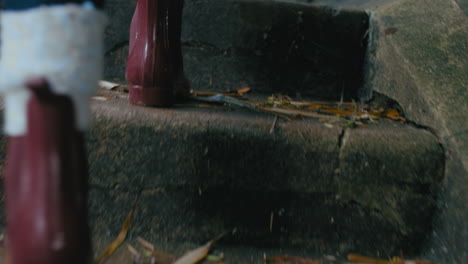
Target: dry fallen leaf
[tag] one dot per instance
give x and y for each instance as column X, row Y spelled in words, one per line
column 106, row 253
column 195, row 255
column 243, row 90
column 108, row 85
column 290, row 260
column 133, row 251
column 204, row 94
column 100, row 98
column 145, row 244
column 395, row 260
column 296, row 112
column 364, row 259
column 394, row 115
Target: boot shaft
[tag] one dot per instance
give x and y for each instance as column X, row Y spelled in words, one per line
column 45, row 119
column 46, row 186
column 155, row 57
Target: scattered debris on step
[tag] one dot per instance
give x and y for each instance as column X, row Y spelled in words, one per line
column 349, row 113
column 330, row 110
column 286, row 259
column 106, row 253
column 223, row 99
column 196, row 255
column 237, row 93
column 346, row 114
column 359, row 259
column 148, row 254
column 112, row 86
column 100, row 98
column 108, row 85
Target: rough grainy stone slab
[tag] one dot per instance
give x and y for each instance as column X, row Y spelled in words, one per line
column 320, row 223
column 271, row 46
column 224, row 147
column 361, row 207
column 120, row 14
column 297, row 49
column 205, row 171
column 182, row 146
column 419, row 59
column 361, row 4
column 391, row 153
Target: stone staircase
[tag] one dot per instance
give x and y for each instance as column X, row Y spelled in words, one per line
column 302, row 184
column 305, row 184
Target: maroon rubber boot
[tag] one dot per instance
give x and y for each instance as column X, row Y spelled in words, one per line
column 155, row 65
column 46, row 185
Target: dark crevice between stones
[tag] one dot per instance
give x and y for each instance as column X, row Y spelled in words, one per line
column 341, row 143
column 390, row 103
column 341, row 138
column 429, row 129
column 386, row 102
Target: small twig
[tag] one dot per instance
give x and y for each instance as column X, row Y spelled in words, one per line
column 145, row 243
column 196, row 255
column 287, row 259
column 223, row 99
column 296, row 112
column 109, row 251
column 272, row 129
column 133, row 251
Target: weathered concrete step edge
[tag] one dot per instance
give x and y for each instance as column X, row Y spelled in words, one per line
column 316, row 222
column 212, row 166
column 187, row 146
column 204, row 172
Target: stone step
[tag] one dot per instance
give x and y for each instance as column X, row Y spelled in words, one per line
column 231, row 254
column 271, row 46
column 307, row 184
column 304, row 183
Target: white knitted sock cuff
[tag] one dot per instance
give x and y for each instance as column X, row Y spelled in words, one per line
column 62, row 43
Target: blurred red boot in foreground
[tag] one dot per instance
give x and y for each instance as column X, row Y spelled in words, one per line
column 46, row 175
column 46, row 184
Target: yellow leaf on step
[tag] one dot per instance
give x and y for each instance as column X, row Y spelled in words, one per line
column 195, row 255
